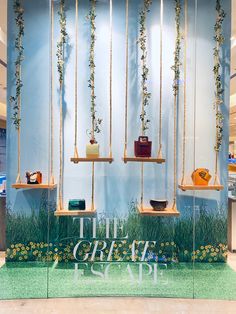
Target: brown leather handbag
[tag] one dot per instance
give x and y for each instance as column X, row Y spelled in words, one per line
column 34, row 177
column 143, row 147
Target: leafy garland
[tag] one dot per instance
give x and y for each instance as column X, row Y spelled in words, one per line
column 96, row 122
column 177, row 63
column 142, row 42
column 61, row 42
column 19, row 19
column 219, row 40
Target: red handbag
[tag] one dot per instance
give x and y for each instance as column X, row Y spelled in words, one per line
column 143, row 147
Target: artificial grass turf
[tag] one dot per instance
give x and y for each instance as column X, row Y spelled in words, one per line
column 183, row 280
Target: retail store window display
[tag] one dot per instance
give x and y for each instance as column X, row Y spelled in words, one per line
column 117, row 150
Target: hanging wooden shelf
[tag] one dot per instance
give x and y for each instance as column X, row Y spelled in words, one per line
column 143, row 159
column 86, row 159
column 44, row 186
column 201, row 187
column 167, row 212
column 82, row 213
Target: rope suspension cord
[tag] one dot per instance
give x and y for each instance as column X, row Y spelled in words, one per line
column 92, row 72
column 61, row 153
column 160, row 112
column 195, row 85
column 175, row 151
column 143, row 129
column 93, row 187
column 185, row 89
column 216, row 178
column 52, row 94
column 110, row 87
column 142, row 184
column 19, row 70
column 176, row 94
column 18, row 179
column 93, row 118
column 76, row 155
column 126, row 75
column 61, row 203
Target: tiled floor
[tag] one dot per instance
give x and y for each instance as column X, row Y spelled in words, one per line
column 117, row 305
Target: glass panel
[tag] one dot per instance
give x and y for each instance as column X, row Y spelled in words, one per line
column 117, row 251
column 109, row 254
column 24, row 275
column 214, row 278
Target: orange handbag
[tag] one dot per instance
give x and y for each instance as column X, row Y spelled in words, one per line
column 201, row 176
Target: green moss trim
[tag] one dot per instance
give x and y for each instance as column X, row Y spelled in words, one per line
column 219, row 41
column 145, row 71
column 19, row 19
column 177, row 62
column 61, row 42
column 96, row 122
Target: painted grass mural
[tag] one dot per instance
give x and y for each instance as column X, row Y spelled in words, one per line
column 170, row 240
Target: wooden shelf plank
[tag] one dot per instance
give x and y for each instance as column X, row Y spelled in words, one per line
column 143, row 159
column 86, row 159
column 201, row 187
column 149, row 211
column 66, row 212
column 34, row 186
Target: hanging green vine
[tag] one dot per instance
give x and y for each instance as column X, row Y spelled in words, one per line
column 177, row 63
column 142, row 42
column 19, row 19
column 61, row 42
column 219, row 40
column 96, row 122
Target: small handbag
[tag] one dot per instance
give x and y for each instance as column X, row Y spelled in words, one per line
column 201, row 176
column 34, row 177
column 142, row 147
column 159, row 205
column 77, row 204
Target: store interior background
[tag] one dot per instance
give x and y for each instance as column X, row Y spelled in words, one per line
column 47, row 283
column 3, row 91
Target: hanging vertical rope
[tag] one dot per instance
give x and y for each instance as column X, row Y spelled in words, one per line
column 51, row 94
column 16, row 99
column 175, row 152
column 18, row 179
column 110, row 87
column 176, row 69
column 61, row 153
column 126, row 75
column 142, row 185
column 219, row 90
column 185, row 89
column 145, row 94
column 195, row 84
column 76, row 155
column 93, row 188
column 60, row 66
column 160, row 109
